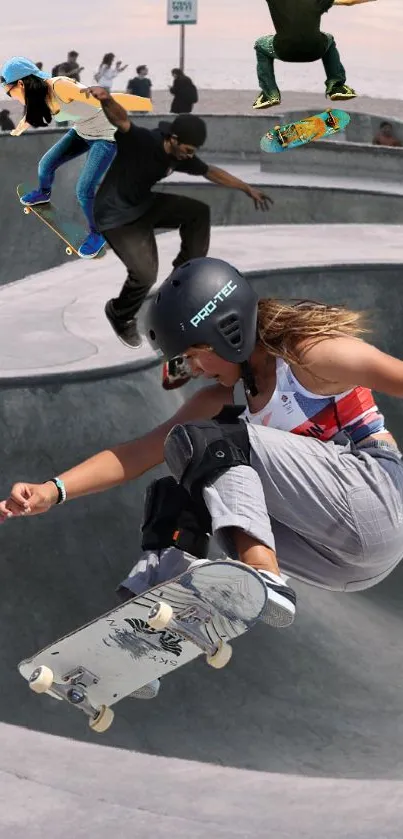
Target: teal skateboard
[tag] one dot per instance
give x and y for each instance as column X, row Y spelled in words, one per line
column 294, row 134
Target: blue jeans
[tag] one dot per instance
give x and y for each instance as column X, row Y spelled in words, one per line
column 100, row 156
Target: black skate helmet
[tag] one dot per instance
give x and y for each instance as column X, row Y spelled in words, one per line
column 205, row 301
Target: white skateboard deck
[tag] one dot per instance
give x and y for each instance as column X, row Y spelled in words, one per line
column 118, row 652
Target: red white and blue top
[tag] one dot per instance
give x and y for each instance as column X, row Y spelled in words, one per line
column 294, row 408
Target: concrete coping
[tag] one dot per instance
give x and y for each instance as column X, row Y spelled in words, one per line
column 52, row 324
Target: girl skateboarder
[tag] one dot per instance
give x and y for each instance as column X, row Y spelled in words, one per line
column 307, row 481
column 61, row 99
column 298, row 38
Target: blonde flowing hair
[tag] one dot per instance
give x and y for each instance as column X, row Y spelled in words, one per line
column 282, row 325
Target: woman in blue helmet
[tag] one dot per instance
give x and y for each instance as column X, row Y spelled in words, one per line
column 303, row 480
column 46, row 98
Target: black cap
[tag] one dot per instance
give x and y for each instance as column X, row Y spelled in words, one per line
column 188, row 128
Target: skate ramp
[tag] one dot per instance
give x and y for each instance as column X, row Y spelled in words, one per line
column 302, row 733
column 321, row 183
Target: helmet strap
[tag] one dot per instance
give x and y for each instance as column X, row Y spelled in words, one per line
column 248, row 379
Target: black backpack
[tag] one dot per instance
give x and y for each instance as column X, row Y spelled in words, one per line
column 193, row 94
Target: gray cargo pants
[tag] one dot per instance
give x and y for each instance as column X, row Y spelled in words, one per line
column 332, row 511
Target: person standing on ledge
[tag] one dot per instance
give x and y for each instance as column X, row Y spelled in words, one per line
column 127, row 212
column 106, row 73
column 140, row 85
column 184, row 93
column 298, row 39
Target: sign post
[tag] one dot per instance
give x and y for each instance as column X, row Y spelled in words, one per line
column 181, row 13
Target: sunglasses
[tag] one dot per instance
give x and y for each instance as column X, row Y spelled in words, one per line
column 8, row 92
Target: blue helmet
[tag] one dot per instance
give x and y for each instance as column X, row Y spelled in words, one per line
column 18, row 67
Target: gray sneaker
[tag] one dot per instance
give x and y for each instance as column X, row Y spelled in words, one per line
column 126, row 330
column 281, row 602
column 149, row 691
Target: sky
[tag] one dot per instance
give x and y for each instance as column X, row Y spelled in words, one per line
column 219, row 49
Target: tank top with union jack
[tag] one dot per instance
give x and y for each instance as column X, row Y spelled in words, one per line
column 294, row 408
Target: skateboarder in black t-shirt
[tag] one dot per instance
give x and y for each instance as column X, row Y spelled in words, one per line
column 298, row 39
column 127, row 212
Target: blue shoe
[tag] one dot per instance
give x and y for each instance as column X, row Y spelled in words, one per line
column 37, row 196
column 92, row 245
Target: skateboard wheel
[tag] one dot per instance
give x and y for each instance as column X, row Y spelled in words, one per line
column 103, row 720
column 277, row 127
column 41, row 679
column 160, row 615
column 69, row 251
column 221, row 657
column 26, row 210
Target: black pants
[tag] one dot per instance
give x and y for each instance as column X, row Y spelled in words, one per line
column 136, row 246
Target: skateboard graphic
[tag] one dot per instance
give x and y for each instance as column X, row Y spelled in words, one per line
column 68, row 231
column 151, row 635
column 283, row 137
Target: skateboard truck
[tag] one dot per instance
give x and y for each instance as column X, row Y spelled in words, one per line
column 331, row 120
column 280, row 137
column 161, row 616
column 74, row 691
column 287, row 137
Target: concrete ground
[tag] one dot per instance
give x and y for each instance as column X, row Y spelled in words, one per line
column 303, row 732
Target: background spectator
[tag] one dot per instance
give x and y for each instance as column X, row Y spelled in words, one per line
column 39, row 65
column 184, row 93
column 386, row 136
column 140, row 85
column 106, row 73
column 69, row 68
column 6, row 123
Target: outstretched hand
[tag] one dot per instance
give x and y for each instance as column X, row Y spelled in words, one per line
column 261, row 200
column 28, row 500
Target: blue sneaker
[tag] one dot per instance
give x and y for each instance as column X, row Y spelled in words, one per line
column 37, row 196
column 92, row 245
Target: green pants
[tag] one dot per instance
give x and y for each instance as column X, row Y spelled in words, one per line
column 265, row 54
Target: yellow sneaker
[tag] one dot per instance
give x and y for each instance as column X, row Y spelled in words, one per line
column 341, row 91
column 266, row 100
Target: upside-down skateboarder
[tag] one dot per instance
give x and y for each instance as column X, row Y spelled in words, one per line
column 305, row 480
column 298, row 38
